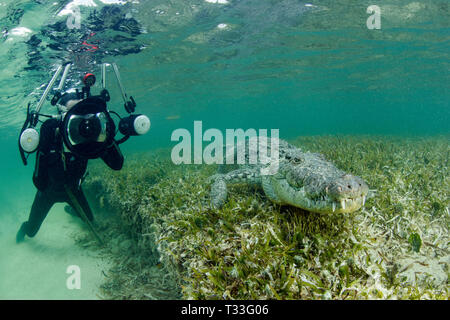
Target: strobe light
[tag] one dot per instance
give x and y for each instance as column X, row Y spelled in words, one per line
column 29, row 140
column 134, row 125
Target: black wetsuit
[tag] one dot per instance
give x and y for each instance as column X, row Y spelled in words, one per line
column 56, row 169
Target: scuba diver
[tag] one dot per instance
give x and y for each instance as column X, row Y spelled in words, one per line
column 82, row 130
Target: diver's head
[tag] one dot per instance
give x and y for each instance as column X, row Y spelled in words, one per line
column 67, row 101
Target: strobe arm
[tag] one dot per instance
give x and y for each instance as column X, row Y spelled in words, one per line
column 129, row 103
column 57, row 95
column 104, row 94
column 49, row 87
column 29, row 137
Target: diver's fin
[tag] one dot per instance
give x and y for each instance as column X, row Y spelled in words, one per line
column 20, row 237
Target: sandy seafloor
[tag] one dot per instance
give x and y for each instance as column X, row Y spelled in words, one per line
column 36, row 268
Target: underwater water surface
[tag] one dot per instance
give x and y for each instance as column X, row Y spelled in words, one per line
column 374, row 101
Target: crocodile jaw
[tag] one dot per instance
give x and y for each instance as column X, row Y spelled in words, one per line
column 297, row 197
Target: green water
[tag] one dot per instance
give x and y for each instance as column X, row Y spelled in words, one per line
column 305, row 70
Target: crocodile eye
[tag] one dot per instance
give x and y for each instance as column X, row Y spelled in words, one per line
column 296, row 160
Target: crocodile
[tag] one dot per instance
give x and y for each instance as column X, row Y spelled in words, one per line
column 304, row 179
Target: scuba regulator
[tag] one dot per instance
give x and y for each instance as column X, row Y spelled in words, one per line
column 87, row 127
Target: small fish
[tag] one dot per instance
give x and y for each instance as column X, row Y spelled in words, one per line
column 174, row 117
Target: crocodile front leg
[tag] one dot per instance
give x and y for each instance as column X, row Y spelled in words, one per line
column 219, row 190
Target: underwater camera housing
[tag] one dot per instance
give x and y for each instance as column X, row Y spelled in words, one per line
column 87, row 128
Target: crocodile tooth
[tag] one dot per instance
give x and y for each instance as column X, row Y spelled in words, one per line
column 363, row 200
column 334, row 206
column 343, row 204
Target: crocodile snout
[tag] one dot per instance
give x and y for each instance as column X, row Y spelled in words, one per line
column 347, row 187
